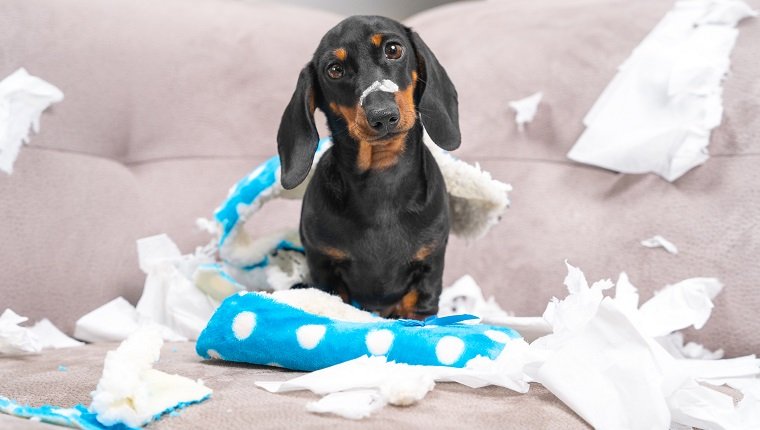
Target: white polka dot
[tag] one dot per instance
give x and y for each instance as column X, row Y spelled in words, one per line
column 214, row 354
column 497, row 336
column 379, row 341
column 449, row 349
column 243, row 325
column 310, row 335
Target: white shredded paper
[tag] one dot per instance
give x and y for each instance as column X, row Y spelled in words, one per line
column 658, row 241
column 16, row 340
column 657, row 113
column 603, row 357
column 23, row 98
column 525, row 109
column 170, row 300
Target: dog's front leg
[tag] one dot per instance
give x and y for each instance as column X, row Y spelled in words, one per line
column 422, row 299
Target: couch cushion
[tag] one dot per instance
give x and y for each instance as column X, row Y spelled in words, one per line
column 237, row 404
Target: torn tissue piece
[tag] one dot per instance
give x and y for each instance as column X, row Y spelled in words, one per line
column 678, row 306
column 657, row 113
column 112, row 322
column 659, row 241
column 15, row 339
column 51, row 337
column 602, row 367
column 674, row 344
column 23, row 98
column 525, row 109
column 170, row 301
column 131, row 392
column 169, row 297
column 726, row 12
column 354, row 404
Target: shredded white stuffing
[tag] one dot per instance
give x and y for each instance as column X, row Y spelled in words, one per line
column 132, row 392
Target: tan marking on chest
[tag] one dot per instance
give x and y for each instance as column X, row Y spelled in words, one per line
column 407, row 307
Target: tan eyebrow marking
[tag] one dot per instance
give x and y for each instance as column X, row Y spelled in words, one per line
column 377, row 39
column 341, row 54
column 334, row 253
column 424, row 252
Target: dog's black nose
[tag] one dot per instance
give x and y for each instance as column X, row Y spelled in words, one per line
column 384, row 119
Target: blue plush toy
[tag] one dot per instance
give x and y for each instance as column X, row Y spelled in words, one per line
column 267, row 329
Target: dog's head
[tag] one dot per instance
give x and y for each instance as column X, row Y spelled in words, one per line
column 372, row 77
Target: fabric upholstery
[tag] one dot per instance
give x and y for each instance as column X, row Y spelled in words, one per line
column 237, row 404
column 169, row 103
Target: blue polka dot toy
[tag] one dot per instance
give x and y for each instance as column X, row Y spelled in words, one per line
column 256, row 328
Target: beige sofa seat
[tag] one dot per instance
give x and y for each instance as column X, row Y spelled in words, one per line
column 169, row 103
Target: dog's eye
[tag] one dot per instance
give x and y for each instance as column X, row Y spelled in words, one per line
column 393, row 51
column 335, row 71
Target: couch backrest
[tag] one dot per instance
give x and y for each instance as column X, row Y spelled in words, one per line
column 169, row 103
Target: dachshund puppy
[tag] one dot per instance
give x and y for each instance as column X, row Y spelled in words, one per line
column 375, row 216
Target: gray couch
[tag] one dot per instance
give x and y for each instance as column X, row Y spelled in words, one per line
column 169, row 103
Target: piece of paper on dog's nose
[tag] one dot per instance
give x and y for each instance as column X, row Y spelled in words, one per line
column 657, row 113
column 525, row 109
column 23, row 98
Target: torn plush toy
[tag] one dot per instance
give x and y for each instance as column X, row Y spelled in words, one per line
column 309, row 329
column 476, row 200
column 129, row 395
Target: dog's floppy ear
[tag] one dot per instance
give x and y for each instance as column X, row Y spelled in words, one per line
column 297, row 137
column 436, row 97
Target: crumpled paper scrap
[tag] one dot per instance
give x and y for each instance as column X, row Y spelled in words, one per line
column 526, row 108
column 353, row 404
column 657, row 113
column 604, row 362
column 23, row 98
column 15, row 339
column 659, row 241
column 170, row 301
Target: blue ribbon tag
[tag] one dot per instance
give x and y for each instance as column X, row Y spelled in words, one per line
column 434, row 320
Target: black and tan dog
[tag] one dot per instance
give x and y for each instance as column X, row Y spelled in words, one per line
column 375, row 218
